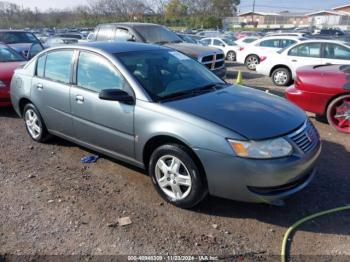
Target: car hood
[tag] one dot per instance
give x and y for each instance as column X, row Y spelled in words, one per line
column 193, row 50
column 250, row 113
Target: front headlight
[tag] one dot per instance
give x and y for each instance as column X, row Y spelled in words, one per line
column 273, row 148
column 2, row 84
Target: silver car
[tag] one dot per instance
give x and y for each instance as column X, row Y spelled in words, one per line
column 158, row 109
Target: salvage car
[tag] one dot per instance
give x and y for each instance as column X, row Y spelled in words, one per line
column 325, row 91
column 155, row 108
column 228, row 46
column 212, row 58
column 9, row 61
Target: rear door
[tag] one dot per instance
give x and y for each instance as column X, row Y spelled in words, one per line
column 335, row 54
column 50, row 90
column 304, row 54
column 108, row 125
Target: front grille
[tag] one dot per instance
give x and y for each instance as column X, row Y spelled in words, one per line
column 213, row 62
column 306, row 138
column 209, row 58
column 220, row 56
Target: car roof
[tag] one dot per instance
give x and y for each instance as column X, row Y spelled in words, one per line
column 130, row 24
column 114, row 47
column 324, row 41
column 14, row 31
column 280, row 37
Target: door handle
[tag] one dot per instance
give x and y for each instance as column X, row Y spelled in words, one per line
column 79, row 99
column 40, row 86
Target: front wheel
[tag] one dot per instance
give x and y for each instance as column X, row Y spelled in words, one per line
column 231, row 56
column 34, row 124
column 176, row 176
column 338, row 114
column 281, row 77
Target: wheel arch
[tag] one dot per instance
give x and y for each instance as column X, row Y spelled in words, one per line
column 332, row 99
column 159, row 140
column 280, row 66
column 246, row 57
column 22, row 103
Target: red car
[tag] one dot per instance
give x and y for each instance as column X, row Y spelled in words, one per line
column 325, row 91
column 9, row 61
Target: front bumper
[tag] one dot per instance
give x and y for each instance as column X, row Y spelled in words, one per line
column 5, row 99
column 259, row 181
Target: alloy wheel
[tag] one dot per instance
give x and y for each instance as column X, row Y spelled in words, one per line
column 280, row 77
column 252, row 62
column 33, row 123
column 173, row 177
column 339, row 115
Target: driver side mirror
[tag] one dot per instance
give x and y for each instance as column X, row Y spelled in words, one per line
column 116, row 95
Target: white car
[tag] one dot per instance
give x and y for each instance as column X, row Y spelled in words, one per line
column 282, row 65
column 251, row 54
column 228, row 46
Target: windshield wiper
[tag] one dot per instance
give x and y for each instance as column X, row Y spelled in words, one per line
column 193, row 92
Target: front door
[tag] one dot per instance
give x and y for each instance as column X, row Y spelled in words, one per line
column 108, row 125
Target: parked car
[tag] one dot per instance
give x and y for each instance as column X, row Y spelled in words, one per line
column 228, row 46
column 77, row 36
column 242, row 34
column 208, row 33
column 251, row 54
column 192, row 131
column 9, row 61
column 212, row 58
column 325, row 91
column 331, row 33
column 55, row 41
column 246, row 40
column 282, row 65
column 189, row 39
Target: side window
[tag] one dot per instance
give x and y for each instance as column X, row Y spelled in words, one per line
column 106, row 33
column 287, row 42
column 122, row 35
column 334, row 51
column 270, row 43
column 91, row 65
column 306, row 50
column 206, row 41
column 58, row 66
column 40, row 66
column 218, row 42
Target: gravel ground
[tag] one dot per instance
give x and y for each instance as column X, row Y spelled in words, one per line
column 51, row 204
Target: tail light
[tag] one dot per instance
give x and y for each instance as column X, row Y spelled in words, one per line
column 262, row 58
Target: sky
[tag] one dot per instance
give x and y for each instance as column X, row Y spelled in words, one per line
column 246, row 5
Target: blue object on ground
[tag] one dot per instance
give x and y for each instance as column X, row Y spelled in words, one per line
column 89, row 159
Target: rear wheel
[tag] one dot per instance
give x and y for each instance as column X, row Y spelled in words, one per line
column 338, row 114
column 252, row 61
column 176, row 176
column 34, row 124
column 281, row 77
column 231, row 56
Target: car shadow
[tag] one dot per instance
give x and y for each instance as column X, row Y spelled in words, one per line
column 8, row 112
column 329, row 189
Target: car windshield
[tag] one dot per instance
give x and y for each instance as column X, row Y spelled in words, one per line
column 168, row 75
column 17, row 37
column 9, row 55
column 157, row 34
column 229, row 41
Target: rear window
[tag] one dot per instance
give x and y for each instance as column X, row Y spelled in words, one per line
column 9, row 55
column 157, row 34
column 17, row 37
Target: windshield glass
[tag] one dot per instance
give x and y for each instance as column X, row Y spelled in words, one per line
column 17, row 37
column 157, row 34
column 229, row 41
column 9, row 55
column 168, row 74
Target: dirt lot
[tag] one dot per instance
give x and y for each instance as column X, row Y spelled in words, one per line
column 51, row 204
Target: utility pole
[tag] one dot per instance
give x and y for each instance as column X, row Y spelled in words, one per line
column 253, row 11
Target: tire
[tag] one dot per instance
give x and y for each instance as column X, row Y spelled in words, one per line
column 34, row 124
column 176, row 176
column 281, row 76
column 231, row 56
column 338, row 114
column 252, row 61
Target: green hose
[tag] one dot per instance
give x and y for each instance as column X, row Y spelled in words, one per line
column 302, row 221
